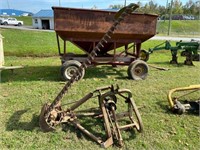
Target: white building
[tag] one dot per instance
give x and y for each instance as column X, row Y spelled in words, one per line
column 43, row 20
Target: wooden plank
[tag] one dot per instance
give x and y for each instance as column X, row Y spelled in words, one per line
column 10, row 67
column 1, row 51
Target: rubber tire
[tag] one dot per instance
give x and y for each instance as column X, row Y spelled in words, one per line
column 5, row 23
column 144, row 55
column 19, row 24
column 138, row 70
column 73, row 64
column 184, row 53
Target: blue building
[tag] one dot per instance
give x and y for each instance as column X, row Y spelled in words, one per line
column 14, row 12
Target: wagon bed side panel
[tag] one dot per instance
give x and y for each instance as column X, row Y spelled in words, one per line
column 82, row 24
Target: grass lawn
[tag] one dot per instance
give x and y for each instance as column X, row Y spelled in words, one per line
column 23, row 93
column 26, row 19
column 37, row 43
column 180, row 28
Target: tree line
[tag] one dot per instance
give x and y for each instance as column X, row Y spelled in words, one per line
column 190, row 8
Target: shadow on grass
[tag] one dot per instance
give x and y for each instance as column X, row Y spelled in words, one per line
column 164, row 107
column 52, row 73
column 15, row 124
column 105, row 71
column 96, row 127
column 180, row 64
column 167, row 110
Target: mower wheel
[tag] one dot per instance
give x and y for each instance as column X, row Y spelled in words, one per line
column 42, row 121
column 69, row 68
column 144, row 55
column 138, row 70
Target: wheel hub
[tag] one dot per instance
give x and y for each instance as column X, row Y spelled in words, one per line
column 70, row 71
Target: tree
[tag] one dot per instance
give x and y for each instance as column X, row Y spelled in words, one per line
column 177, row 7
column 190, row 8
column 119, row 6
column 94, row 7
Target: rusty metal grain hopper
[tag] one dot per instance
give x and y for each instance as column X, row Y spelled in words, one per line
column 85, row 28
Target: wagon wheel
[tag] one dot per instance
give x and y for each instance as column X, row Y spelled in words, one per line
column 144, row 55
column 69, row 68
column 184, row 53
column 138, row 70
column 133, row 112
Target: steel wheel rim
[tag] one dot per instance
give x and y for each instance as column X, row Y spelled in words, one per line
column 140, row 70
column 70, row 71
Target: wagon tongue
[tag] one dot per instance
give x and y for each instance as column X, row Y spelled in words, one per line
column 48, row 112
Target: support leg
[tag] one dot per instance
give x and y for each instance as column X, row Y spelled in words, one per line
column 174, row 57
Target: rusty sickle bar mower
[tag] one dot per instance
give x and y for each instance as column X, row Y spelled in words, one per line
column 113, row 120
column 52, row 114
column 180, row 107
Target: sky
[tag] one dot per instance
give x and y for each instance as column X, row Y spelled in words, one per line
column 36, row 5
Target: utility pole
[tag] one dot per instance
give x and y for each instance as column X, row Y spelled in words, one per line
column 166, row 9
column 124, row 2
column 199, row 8
column 170, row 18
column 59, row 3
column 8, row 4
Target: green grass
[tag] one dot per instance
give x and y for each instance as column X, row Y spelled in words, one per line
column 180, row 27
column 37, row 43
column 32, row 43
column 23, row 93
column 26, row 19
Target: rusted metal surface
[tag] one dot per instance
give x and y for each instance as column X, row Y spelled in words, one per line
column 52, row 114
column 83, row 27
column 114, row 120
column 77, row 73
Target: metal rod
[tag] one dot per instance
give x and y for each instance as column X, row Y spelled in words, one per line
column 81, row 101
column 92, row 136
column 64, row 47
column 127, row 126
column 58, row 43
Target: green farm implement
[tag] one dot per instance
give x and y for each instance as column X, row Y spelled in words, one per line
column 188, row 50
